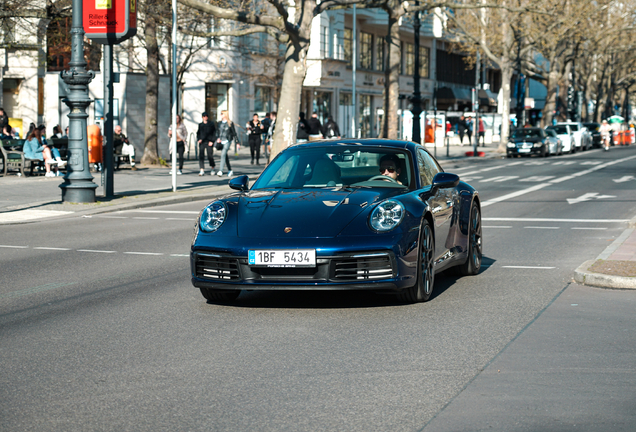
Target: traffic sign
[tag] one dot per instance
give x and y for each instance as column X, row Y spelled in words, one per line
column 110, row 21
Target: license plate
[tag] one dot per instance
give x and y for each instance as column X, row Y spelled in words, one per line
column 524, row 150
column 282, row 257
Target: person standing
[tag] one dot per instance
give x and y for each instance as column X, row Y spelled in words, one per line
column 270, row 133
column 331, row 130
column 606, row 132
column 182, row 136
column 122, row 147
column 482, row 133
column 4, row 119
column 469, row 130
column 302, row 134
column 206, row 136
column 254, row 131
column 461, row 130
column 226, row 133
column 315, row 128
column 267, row 121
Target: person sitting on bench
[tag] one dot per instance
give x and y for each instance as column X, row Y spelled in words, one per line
column 35, row 149
column 122, row 147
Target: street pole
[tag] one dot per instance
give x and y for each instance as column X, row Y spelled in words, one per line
column 78, row 183
column 108, row 174
column 173, row 139
column 354, row 118
column 416, row 99
column 476, row 106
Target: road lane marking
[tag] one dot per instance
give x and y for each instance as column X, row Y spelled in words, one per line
column 52, row 248
column 95, row 251
column 541, row 227
column 143, row 253
column 179, row 255
column 536, row 179
column 624, row 179
column 14, row 247
column 497, row 226
column 163, row 211
column 588, row 197
column 499, row 179
column 529, row 267
column 145, row 218
column 591, row 170
column 112, row 217
column 589, row 228
column 514, row 194
column 519, row 219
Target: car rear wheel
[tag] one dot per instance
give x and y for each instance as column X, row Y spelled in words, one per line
column 423, row 288
column 219, row 296
column 473, row 260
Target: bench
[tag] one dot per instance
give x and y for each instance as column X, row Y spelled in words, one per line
column 14, row 157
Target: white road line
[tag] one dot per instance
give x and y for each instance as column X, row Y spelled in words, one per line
column 143, row 253
column 591, row 170
column 491, row 168
column 499, row 179
column 146, row 218
column 179, row 255
column 496, row 226
column 52, row 248
column 505, row 219
column 163, row 211
column 541, row 227
column 589, row 228
column 514, row 194
column 112, row 217
column 536, row 179
column 95, row 251
column 528, row 267
column 14, row 247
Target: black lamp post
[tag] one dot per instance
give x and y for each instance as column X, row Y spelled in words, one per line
column 78, row 183
column 416, row 99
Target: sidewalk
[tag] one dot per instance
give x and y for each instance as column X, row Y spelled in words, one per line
column 29, row 199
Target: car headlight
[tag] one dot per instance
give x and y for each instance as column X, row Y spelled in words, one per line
column 512, row 145
column 213, row 216
column 386, row 216
column 537, row 144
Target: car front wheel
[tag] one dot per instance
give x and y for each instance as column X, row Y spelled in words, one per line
column 423, row 288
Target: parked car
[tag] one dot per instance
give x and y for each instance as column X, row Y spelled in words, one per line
column 555, row 146
column 528, row 141
column 377, row 215
column 595, row 130
column 582, row 137
column 564, row 133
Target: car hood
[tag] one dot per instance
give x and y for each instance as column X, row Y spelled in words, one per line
column 304, row 212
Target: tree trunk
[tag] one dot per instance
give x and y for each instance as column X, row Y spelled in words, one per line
column 392, row 75
column 293, row 77
column 150, row 155
column 506, row 77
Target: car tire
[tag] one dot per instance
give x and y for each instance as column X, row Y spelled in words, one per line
column 219, row 296
column 475, row 252
column 422, row 290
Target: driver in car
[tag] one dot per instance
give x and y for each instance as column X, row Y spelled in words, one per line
column 389, row 167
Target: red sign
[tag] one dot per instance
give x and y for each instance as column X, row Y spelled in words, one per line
column 110, row 21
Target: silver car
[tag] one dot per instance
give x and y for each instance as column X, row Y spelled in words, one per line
column 564, row 133
column 555, row 146
column 582, row 136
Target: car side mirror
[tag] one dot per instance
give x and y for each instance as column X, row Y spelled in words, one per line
column 240, row 183
column 445, row 180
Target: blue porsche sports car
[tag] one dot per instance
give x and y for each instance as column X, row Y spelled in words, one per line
column 377, row 215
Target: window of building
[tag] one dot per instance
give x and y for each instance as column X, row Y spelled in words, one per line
column 380, row 44
column 262, row 98
column 409, row 59
column 348, row 45
column 365, row 116
column 324, row 41
column 366, row 50
column 216, row 100
column 345, row 114
column 58, row 44
column 424, row 62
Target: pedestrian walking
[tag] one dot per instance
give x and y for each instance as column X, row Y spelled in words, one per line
column 270, row 133
column 122, row 147
column 302, row 134
column 315, row 128
column 206, row 136
column 266, row 122
column 331, row 129
column 182, row 136
column 254, row 132
column 606, row 131
column 469, row 131
column 225, row 134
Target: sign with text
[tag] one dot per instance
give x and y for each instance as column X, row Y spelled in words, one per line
column 110, row 21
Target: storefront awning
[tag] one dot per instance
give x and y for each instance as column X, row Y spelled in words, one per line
column 449, row 96
column 487, row 98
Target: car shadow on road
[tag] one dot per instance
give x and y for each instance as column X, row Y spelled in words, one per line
column 328, row 299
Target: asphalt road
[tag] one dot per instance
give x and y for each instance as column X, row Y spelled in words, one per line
column 101, row 329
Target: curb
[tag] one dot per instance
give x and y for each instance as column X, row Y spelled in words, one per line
column 582, row 276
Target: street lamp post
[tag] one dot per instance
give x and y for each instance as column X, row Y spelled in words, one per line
column 78, row 183
column 416, row 99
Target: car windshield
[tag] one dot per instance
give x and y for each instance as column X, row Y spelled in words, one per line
column 526, row 133
column 560, row 129
column 574, row 127
column 592, row 126
column 337, row 166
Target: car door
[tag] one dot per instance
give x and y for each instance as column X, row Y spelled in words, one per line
column 441, row 202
